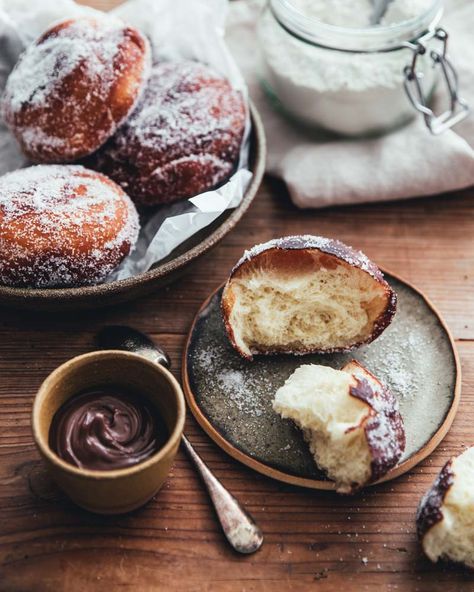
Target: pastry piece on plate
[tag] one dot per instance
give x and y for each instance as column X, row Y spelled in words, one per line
column 349, row 419
column 305, row 294
column 74, row 86
column 445, row 517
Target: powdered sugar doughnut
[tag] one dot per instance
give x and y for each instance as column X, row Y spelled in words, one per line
column 62, row 226
column 184, row 137
column 71, row 88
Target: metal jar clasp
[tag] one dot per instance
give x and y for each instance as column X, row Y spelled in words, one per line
column 458, row 107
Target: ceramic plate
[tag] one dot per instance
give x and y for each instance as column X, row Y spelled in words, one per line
column 231, row 398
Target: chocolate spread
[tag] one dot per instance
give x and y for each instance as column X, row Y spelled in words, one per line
column 106, row 429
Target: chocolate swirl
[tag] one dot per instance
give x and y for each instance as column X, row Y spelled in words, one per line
column 103, row 430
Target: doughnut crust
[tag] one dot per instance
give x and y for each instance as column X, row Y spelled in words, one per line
column 74, row 86
column 305, row 294
column 183, row 139
column 62, row 226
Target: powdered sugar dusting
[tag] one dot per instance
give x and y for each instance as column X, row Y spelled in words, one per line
column 62, row 226
column 235, row 384
column 44, row 65
column 183, row 139
column 184, row 105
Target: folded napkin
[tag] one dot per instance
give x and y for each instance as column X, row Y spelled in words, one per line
column 406, row 163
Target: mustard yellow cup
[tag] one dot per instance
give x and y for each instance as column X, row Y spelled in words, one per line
column 121, row 490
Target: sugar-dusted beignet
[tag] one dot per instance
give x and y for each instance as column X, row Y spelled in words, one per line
column 74, row 86
column 62, row 226
column 305, row 294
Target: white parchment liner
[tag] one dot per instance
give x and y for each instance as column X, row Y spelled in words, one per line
column 176, row 29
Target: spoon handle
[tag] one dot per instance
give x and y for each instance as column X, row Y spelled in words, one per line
column 380, row 8
column 238, row 525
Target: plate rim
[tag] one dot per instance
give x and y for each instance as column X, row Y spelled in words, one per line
column 54, row 298
column 308, row 483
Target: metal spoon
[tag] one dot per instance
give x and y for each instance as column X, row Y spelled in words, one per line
column 380, row 8
column 238, row 525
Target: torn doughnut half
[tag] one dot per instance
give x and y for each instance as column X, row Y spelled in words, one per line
column 445, row 517
column 305, row 294
column 350, row 420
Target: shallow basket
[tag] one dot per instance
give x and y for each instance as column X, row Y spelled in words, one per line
column 164, row 272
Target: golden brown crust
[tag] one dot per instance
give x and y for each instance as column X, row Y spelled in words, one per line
column 296, row 253
column 74, row 86
column 62, row 226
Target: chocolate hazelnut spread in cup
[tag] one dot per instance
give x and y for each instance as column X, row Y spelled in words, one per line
column 106, row 428
column 108, row 425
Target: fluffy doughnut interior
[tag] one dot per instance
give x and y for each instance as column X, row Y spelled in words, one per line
column 318, row 400
column 453, row 537
column 302, row 300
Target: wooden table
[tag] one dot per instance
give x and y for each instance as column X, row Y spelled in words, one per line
column 313, row 540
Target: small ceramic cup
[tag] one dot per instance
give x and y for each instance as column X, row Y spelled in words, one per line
column 122, row 490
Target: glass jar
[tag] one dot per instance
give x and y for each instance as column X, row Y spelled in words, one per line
column 356, row 81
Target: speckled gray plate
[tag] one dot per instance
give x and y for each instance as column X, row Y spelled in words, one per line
column 232, row 398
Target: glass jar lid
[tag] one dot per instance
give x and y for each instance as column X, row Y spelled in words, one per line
column 370, row 39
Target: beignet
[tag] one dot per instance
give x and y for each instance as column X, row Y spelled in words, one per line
column 305, row 294
column 349, row 419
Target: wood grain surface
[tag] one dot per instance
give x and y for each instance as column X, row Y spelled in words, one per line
column 313, row 540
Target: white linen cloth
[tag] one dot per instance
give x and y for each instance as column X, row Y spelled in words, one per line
column 407, row 163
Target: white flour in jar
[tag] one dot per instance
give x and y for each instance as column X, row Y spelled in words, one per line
column 358, row 13
column 349, row 93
